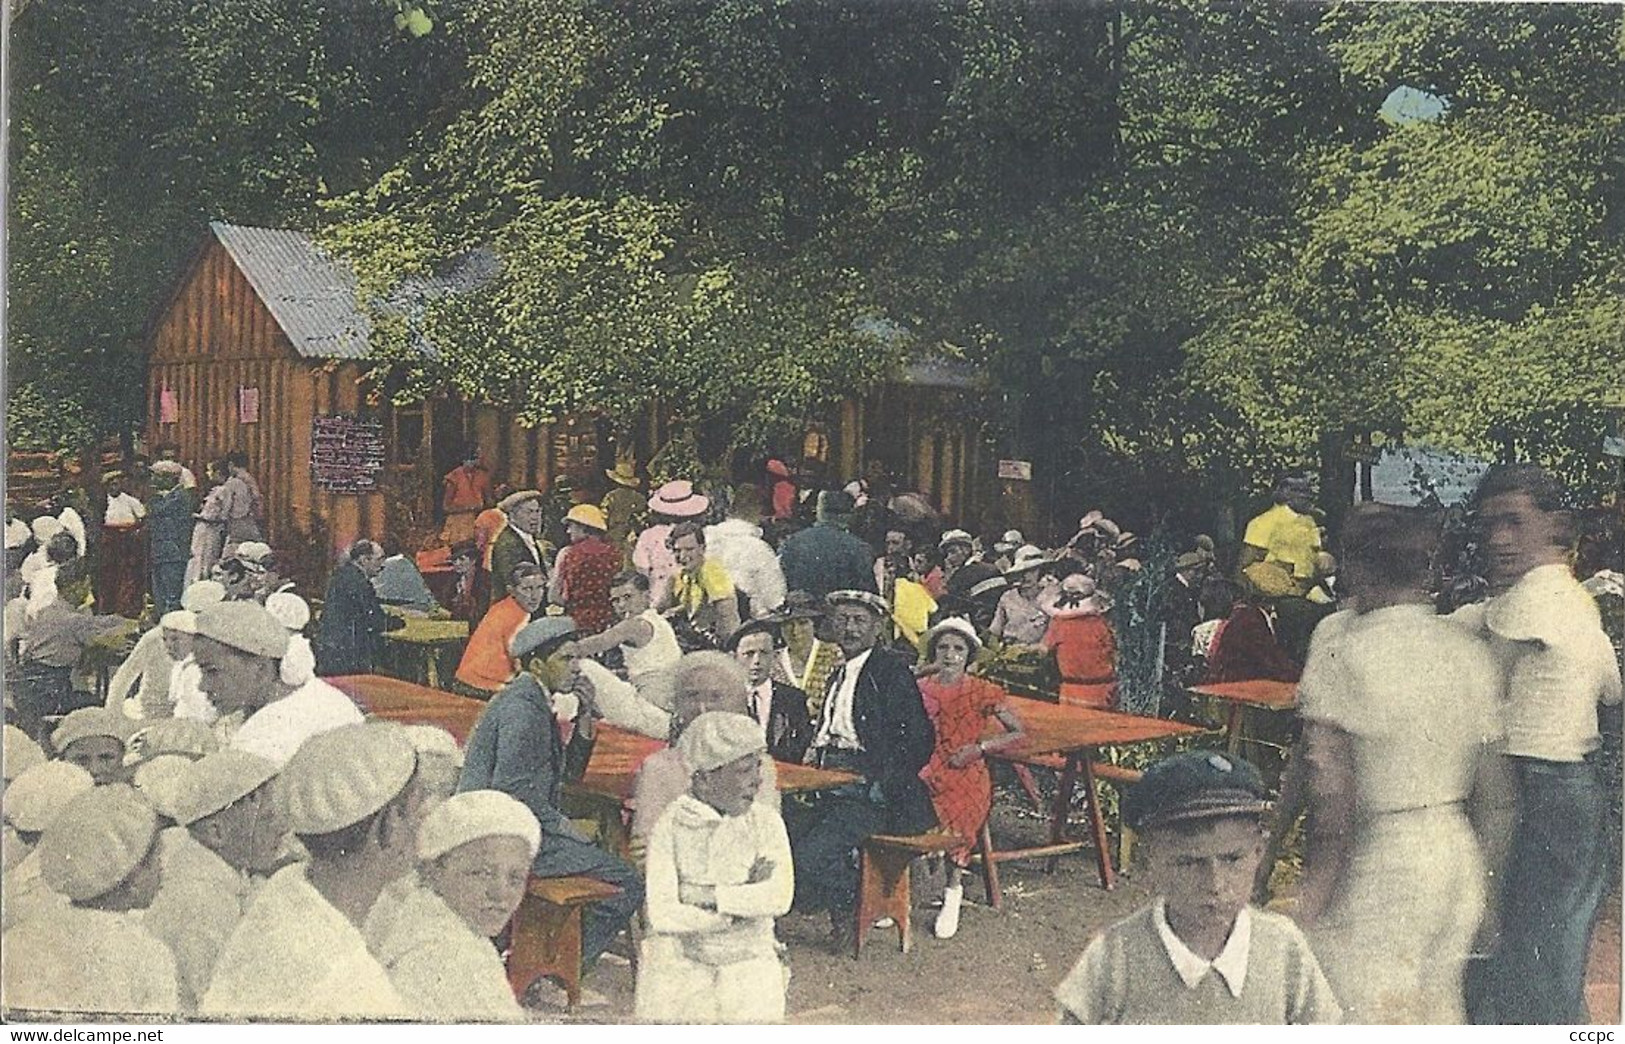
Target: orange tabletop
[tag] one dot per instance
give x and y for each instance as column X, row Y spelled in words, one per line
column 1257, row 692
column 394, row 699
column 1063, row 728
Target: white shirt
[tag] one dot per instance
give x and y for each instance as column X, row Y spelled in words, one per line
column 281, row 727
column 89, row 961
column 1558, row 661
column 1230, row 964
column 295, row 956
column 123, row 510
column 750, row 562
column 657, row 655
column 186, row 690
column 836, row 728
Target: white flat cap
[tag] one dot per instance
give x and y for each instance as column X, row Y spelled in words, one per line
column 35, row 797
column 718, row 738
column 100, row 836
column 244, row 626
column 90, row 721
column 218, row 781
column 253, row 552
column 181, row 621
column 472, row 815
column 17, row 533
column 186, row 737
column 44, row 528
column 20, row 754
column 203, row 594
column 339, row 777
column 290, row 610
column 159, row 779
column 434, row 741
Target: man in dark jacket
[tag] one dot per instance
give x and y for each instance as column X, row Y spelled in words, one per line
column 825, row 557
column 353, row 622
column 169, row 535
column 873, row 723
column 780, row 709
column 516, row 748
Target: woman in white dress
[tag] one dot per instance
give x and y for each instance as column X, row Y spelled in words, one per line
column 1401, row 713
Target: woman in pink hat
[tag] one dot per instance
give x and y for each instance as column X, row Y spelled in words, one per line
column 672, row 503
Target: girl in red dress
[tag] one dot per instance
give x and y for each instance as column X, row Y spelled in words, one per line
column 957, row 775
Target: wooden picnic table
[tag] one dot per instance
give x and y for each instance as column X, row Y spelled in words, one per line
column 1263, row 693
column 1065, row 737
column 428, row 638
column 395, row 699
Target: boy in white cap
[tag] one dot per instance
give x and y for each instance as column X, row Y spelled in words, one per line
column 474, row 854
column 298, row 953
column 140, row 686
column 93, row 738
column 32, row 803
column 186, row 694
column 229, row 830
column 719, row 873
column 101, row 852
column 244, row 654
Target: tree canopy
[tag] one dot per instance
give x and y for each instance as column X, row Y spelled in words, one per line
column 1182, row 239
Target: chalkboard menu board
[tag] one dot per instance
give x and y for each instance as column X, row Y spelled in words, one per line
column 346, row 454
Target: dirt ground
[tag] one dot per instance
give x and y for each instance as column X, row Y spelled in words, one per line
column 1002, row 966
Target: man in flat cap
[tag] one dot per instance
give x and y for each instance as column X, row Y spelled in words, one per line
column 32, row 803
column 516, row 748
column 1198, row 954
column 90, row 956
column 354, row 802
column 873, row 722
column 230, row 828
column 519, row 541
column 240, row 648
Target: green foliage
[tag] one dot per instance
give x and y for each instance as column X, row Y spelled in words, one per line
column 40, row 422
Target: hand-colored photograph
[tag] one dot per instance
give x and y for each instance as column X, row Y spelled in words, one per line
column 815, row 512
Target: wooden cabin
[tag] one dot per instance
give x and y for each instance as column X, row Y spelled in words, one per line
column 260, row 348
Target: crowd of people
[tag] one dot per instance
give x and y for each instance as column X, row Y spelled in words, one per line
column 295, row 860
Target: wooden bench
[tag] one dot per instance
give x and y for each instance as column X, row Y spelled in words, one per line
column 546, row 936
column 883, row 889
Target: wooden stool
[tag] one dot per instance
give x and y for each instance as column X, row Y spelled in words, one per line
column 883, row 891
column 547, row 932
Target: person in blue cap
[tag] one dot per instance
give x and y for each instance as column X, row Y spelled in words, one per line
column 516, row 748
column 1198, row 954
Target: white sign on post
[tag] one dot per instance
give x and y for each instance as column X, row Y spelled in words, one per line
column 1017, row 470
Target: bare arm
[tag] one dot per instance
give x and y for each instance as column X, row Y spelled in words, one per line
column 1329, row 835
column 634, row 632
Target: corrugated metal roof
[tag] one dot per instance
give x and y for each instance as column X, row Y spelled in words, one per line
column 312, row 296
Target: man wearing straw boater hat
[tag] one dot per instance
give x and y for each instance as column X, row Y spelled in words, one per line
column 873, row 723
column 519, row 541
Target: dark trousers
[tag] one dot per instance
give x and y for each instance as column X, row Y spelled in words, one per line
column 824, row 838
column 1553, row 885
column 565, row 856
column 168, row 580
column 42, row 692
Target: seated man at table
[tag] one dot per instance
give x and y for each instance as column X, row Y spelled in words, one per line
column 1199, row 954
column 873, row 722
column 353, row 622
column 489, row 661
column 646, row 641
column 516, row 747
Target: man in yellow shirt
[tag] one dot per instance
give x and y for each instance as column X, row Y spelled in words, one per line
column 1285, row 540
column 701, row 589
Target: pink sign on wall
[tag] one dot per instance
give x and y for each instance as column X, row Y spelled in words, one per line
column 169, row 410
column 248, row 405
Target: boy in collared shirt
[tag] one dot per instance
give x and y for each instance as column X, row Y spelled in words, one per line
column 1199, row 954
